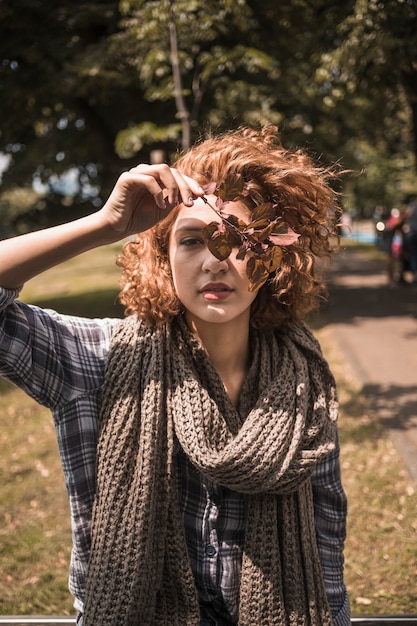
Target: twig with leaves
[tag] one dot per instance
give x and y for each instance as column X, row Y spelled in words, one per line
column 260, row 241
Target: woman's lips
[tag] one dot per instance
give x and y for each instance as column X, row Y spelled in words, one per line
column 215, row 291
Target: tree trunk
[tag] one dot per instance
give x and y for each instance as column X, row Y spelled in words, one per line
column 182, row 110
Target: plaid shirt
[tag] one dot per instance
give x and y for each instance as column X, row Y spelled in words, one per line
column 59, row 361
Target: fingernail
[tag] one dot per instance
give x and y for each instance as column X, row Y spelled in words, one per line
column 191, row 201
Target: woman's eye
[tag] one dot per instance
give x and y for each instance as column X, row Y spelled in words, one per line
column 190, row 241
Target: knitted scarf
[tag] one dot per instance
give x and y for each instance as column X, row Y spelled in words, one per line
column 159, row 386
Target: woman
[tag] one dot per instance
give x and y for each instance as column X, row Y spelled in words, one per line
column 217, row 494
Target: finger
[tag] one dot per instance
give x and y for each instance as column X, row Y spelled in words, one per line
column 177, row 187
column 188, row 187
column 148, row 182
column 163, row 175
column 171, row 179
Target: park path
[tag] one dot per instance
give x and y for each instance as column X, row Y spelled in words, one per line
column 375, row 325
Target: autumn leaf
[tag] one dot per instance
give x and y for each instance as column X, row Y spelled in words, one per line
column 263, row 235
column 262, row 216
column 261, row 240
column 275, row 258
column 242, row 252
column 220, row 246
column 211, row 229
column 284, row 239
column 257, row 273
column 234, row 220
column 232, row 188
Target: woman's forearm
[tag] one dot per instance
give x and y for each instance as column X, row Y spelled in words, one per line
column 139, row 198
column 26, row 256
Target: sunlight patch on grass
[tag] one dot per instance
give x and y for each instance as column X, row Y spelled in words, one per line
column 87, row 286
column 92, row 270
column 35, row 535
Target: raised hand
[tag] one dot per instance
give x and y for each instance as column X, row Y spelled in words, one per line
column 145, row 194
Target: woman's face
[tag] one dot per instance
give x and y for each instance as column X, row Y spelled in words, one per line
column 211, row 291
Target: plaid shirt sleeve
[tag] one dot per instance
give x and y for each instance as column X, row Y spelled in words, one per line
column 52, row 357
column 330, row 509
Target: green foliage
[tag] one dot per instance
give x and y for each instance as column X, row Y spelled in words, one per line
column 60, row 102
column 14, row 204
column 216, row 53
column 131, row 140
column 90, row 90
column 369, row 86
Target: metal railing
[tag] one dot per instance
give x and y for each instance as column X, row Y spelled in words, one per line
column 384, row 620
column 25, row 620
column 357, row 620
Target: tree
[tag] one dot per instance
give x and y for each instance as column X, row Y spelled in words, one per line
column 77, row 82
column 62, row 101
column 87, row 91
column 369, row 87
column 198, row 62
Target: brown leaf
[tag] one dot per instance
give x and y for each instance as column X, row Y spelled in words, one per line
column 220, row 247
column 234, row 235
column 258, row 225
column 234, row 220
column 242, row 252
column 263, row 235
column 263, row 212
column 232, row 188
column 275, row 257
column 257, row 273
column 280, row 227
column 211, row 228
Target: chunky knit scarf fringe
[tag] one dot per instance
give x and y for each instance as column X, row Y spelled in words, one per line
column 159, row 386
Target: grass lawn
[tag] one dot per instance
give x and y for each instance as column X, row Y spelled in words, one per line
column 381, row 547
column 381, row 550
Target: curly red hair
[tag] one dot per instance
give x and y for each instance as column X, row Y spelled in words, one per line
column 298, row 187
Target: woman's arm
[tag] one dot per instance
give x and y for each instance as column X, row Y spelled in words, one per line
column 139, row 198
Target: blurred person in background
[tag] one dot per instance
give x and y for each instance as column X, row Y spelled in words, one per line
column 410, row 238
column 390, row 240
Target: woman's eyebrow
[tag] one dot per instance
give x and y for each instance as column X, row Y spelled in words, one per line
column 190, row 228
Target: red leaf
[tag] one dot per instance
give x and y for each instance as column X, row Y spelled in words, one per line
column 285, row 239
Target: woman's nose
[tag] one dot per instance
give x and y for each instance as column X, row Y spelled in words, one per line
column 213, row 264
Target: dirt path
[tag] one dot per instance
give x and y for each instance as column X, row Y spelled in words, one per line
column 376, row 327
